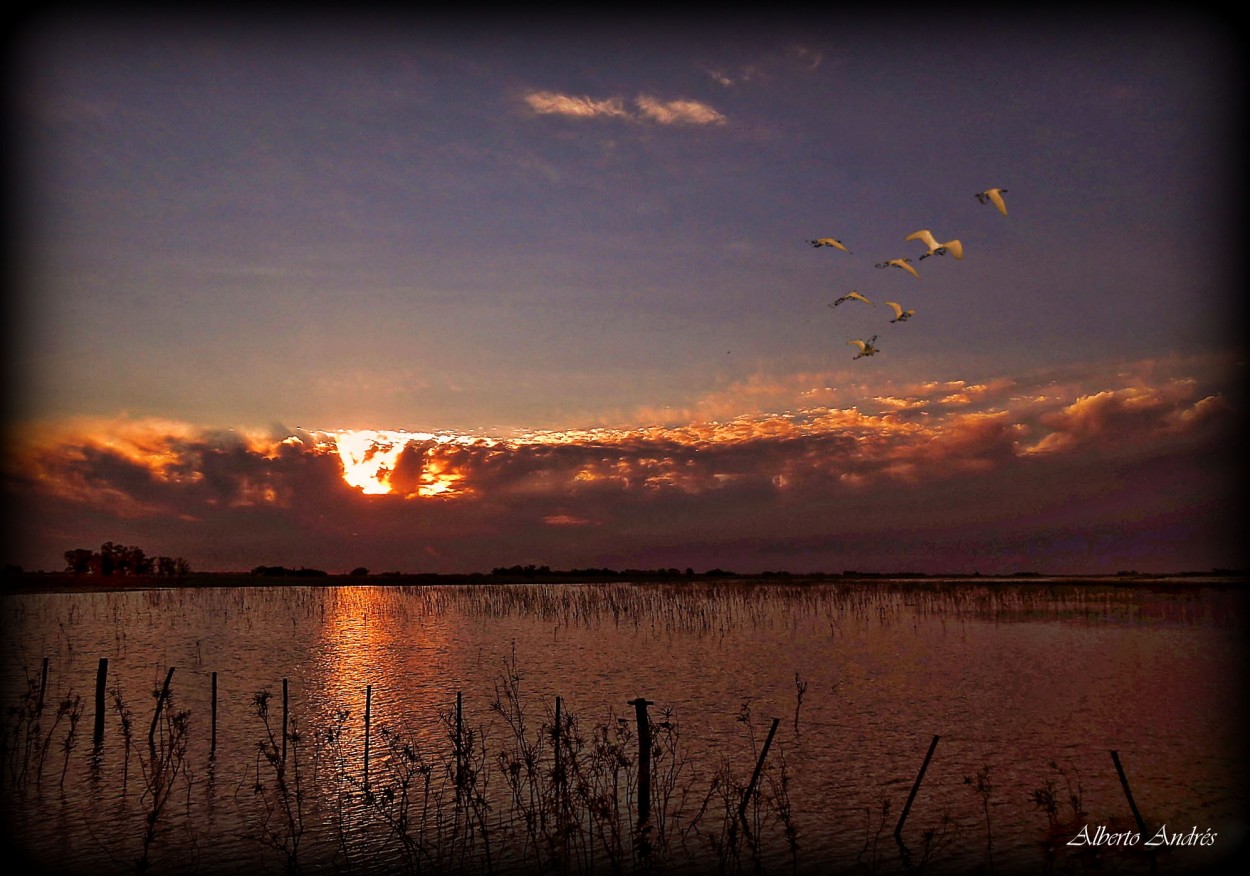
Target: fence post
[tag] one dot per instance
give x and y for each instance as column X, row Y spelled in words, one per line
column 160, row 704
column 1141, row 823
column 43, row 687
column 644, row 761
column 755, row 776
column 368, row 707
column 459, row 740
column 100, row 676
column 212, row 748
column 559, row 773
column 285, row 703
column 1132, row 804
column 914, row 788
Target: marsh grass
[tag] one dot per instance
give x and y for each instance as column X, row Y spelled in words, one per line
column 27, row 741
column 528, row 785
column 165, row 768
column 535, row 790
column 278, row 786
column 983, row 787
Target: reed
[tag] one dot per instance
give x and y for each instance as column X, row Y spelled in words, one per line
column 515, row 782
column 278, row 789
column 983, row 787
column 27, row 741
column 126, row 722
column 164, row 768
column 873, row 834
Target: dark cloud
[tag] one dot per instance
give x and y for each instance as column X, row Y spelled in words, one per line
column 999, row 480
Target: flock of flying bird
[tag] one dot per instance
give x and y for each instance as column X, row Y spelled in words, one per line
column 932, row 247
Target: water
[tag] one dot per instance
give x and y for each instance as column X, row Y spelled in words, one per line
column 1029, row 687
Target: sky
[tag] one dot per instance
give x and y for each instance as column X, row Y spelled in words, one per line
column 444, row 294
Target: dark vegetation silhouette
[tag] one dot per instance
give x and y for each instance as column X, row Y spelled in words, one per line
column 121, row 562
column 284, row 572
column 117, row 559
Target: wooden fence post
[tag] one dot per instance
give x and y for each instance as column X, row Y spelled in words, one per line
column 644, row 760
column 43, row 688
column 1141, row 823
column 459, row 740
column 559, row 772
column 368, row 707
column 212, row 748
column 755, row 776
column 285, row 704
column 1132, row 804
column 914, row 788
column 160, row 704
column 101, row 676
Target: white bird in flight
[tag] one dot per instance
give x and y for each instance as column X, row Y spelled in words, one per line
column 865, row 347
column 995, row 197
column 925, row 236
column 829, row 241
column 900, row 315
column 905, row 264
column 849, row 295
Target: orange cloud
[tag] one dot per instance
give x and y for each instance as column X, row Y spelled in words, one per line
column 652, row 109
column 1125, row 416
column 585, row 479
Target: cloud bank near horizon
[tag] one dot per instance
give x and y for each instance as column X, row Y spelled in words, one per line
column 1037, row 473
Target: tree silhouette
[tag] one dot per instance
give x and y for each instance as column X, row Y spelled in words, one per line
column 117, row 559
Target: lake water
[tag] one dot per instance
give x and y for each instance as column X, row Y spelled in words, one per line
column 1028, row 688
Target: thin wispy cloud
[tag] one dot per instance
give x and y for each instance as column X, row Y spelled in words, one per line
column 549, row 103
column 644, row 108
column 673, row 112
column 795, row 59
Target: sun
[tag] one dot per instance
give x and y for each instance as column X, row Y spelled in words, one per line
column 369, row 458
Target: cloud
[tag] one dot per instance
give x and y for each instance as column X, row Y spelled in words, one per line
column 837, row 459
column 549, row 103
column 159, row 465
column 647, row 108
column 1125, row 417
column 672, row 112
column 794, row 59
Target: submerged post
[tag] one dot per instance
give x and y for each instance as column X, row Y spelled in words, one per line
column 755, row 776
column 915, row 787
column 1141, row 823
column 459, row 740
column 1132, row 804
column 100, row 676
column 285, row 703
column 368, row 705
column 559, row 773
column 160, row 704
column 212, row 747
column 43, row 687
column 644, row 761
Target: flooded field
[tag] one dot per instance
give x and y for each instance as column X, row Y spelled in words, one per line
column 735, row 726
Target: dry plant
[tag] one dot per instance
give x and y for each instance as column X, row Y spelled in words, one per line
column 164, row 766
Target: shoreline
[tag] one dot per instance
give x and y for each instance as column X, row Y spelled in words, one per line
column 66, row 582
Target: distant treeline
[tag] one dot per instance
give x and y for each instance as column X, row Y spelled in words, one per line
column 117, row 559
column 284, row 572
column 532, row 571
column 114, row 559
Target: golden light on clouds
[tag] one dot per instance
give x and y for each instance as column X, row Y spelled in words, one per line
column 909, row 439
column 550, row 103
column 646, row 108
column 369, row 458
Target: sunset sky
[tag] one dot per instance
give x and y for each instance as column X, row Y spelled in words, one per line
column 439, row 295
